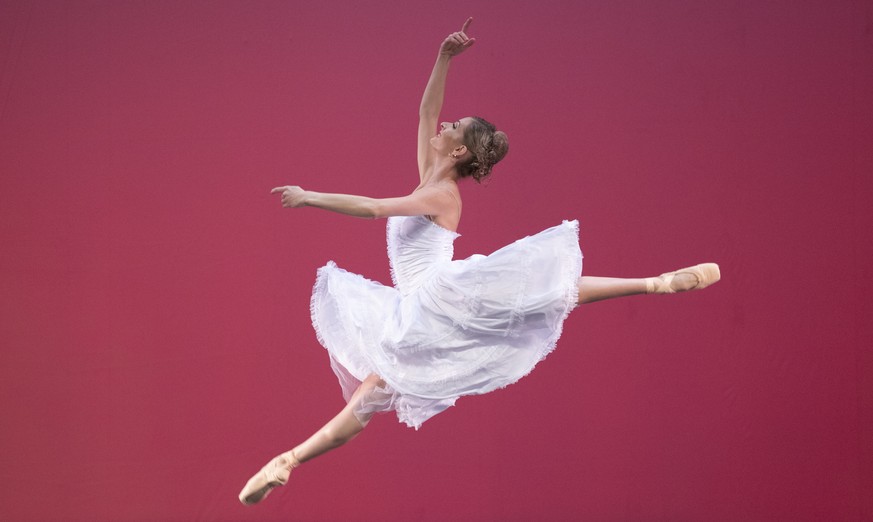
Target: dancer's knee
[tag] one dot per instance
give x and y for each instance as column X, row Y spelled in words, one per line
column 370, row 398
column 372, row 382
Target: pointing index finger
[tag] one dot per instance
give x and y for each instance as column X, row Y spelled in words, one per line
column 466, row 25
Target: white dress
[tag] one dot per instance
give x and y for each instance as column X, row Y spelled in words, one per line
column 447, row 328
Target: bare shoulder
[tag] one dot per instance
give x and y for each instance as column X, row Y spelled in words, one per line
column 446, row 202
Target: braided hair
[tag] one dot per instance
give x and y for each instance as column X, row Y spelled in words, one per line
column 487, row 145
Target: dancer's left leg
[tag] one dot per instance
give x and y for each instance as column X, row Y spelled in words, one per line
column 345, row 426
column 341, row 429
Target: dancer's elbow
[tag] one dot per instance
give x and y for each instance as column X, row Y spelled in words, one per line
column 377, row 209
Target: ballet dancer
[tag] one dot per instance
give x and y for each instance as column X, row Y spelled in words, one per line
column 446, row 328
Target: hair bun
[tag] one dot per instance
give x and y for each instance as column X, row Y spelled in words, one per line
column 499, row 145
column 487, row 145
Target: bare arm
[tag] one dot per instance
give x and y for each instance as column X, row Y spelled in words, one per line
column 434, row 92
column 423, row 202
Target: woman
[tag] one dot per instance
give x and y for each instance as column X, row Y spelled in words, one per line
column 447, row 328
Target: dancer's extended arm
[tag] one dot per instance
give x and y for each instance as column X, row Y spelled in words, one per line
column 423, row 202
column 432, row 100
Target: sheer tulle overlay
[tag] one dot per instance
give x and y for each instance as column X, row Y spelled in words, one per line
column 447, row 328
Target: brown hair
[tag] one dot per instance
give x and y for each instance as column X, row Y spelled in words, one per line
column 487, row 146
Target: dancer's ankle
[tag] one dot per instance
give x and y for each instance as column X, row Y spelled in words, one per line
column 292, row 459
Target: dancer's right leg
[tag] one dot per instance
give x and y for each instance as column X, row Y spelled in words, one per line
column 342, row 428
column 593, row 289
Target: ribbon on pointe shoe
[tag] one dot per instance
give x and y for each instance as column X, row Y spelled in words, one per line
column 274, row 474
column 706, row 274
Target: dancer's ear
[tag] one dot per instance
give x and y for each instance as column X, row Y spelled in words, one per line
column 459, row 151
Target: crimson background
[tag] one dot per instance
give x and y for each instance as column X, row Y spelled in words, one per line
column 156, row 346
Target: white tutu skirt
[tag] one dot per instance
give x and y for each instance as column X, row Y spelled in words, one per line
column 472, row 326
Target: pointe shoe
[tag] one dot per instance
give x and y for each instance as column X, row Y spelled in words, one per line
column 706, row 274
column 274, row 474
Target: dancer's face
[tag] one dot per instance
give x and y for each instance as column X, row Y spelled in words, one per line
column 450, row 135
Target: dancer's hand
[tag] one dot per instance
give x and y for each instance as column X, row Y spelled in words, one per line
column 456, row 43
column 292, row 196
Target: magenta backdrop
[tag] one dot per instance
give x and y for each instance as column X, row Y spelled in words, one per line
column 154, row 298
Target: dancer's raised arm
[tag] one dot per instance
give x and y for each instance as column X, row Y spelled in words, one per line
column 432, row 100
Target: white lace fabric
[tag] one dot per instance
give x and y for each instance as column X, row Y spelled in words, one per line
column 447, row 328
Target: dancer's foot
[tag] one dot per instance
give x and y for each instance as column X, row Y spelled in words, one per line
column 691, row 278
column 275, row 473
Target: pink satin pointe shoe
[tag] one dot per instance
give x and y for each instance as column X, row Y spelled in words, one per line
column 274, row 474
column 706, row 274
